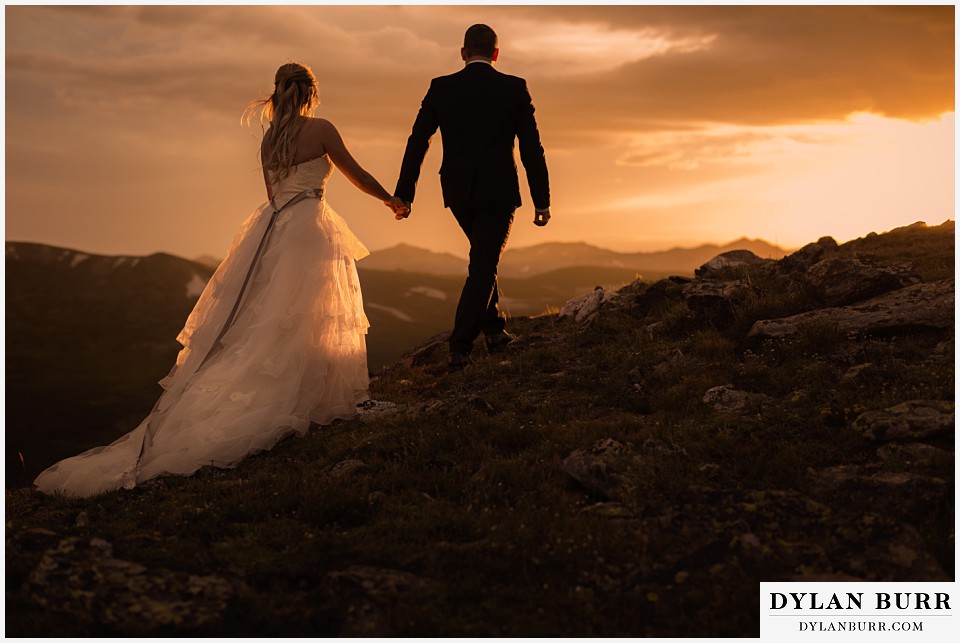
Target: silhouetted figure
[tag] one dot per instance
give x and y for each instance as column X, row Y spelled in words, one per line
column 480, row 113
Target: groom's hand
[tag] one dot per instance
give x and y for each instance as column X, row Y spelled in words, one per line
column 542, row 217
column 401, row 209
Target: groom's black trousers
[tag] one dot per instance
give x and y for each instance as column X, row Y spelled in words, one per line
column 487, row 226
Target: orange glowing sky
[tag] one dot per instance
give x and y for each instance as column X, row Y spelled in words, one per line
column 663, row 125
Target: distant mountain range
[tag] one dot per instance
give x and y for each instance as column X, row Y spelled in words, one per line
column 88, row 336
column 548, row 257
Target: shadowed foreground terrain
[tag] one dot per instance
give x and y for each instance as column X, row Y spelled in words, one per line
column 631, row 466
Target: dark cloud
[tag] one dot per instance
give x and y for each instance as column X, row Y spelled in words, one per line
column 776, row 65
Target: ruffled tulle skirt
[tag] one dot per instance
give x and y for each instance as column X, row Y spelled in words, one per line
column 275, row 342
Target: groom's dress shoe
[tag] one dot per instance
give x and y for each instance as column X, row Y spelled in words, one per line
column 499, row 342
column 458, row 362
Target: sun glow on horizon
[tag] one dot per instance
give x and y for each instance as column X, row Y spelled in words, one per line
column 792, row 183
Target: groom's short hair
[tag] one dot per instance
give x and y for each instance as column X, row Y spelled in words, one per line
column 480, row 40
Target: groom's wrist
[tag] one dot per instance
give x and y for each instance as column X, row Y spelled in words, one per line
column 539, row 210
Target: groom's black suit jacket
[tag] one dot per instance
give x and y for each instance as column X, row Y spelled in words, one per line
column 480, row 112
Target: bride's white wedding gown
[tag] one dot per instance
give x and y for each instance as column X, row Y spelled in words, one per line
column 275, row 342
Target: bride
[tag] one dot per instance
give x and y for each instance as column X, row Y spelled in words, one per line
column 277, row 339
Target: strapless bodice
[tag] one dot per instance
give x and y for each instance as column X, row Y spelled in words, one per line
column 308, row 175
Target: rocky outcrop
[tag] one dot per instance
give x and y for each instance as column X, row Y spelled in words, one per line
column 926, row 305
column 715, row 300
column 582, row 307
column 808, row 255
column 732, row 259
column 83, row 579
column 912, row 420
column 846, row 280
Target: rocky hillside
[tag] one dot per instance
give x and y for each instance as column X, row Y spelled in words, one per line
column 632, row 466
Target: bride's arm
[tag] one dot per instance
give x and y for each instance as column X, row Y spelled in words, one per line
column 342, row 158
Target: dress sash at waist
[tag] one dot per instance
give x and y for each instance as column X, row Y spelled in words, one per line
column 313, row 193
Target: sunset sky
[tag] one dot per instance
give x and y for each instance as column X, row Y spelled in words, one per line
column 663, row 125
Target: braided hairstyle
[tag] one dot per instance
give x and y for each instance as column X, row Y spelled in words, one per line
column 294, row 95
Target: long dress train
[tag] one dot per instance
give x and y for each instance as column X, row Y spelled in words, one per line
column 276, row 341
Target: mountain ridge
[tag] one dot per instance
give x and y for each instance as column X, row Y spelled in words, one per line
column 533, row 260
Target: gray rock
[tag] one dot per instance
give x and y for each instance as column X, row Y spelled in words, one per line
column 905, row 496
column 731, row 259
column 345, row 468
column 433, row 350
column 83, row 579
column 372, row 409
column 846, row 280
column 657, row 294
column 808, row 255
column 928, row 305
column 715, row 300
column 912, row 420
column 917, row 454
column 604, row 468
column 726, row 399
column 378, row 581
column 477, row 403
column 585, row 305
column 856, row 372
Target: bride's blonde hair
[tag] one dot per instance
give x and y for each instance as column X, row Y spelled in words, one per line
column 294, row 94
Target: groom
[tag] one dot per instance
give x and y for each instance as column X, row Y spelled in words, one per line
column 480, row 112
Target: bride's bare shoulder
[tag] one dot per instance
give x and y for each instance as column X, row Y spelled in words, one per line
column 320, row 125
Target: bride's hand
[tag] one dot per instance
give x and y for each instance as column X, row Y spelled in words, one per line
column 400, row 209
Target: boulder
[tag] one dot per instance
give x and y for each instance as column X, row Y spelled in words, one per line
column 83, row 579
column 917, row 454
column 726, row 399
column 732, row 259
column 856, row 373
column 913, row 420
column 431, row 351
column 905, row 496
column 371, row 409
column 604, row 468
column 846, row 280
column 658, row 294
column 808, row 255
column 344, row 468
column 927, row 305
column 585, row 305
column 715, row 300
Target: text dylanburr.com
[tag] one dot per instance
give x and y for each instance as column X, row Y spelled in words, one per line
column 857, row 610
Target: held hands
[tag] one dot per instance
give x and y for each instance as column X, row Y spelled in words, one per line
column 401, row 209
column 541, row 217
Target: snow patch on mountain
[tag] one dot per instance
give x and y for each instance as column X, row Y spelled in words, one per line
column 78, row 259
column 399, row 314
column 196, row 286
column 427, row 291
